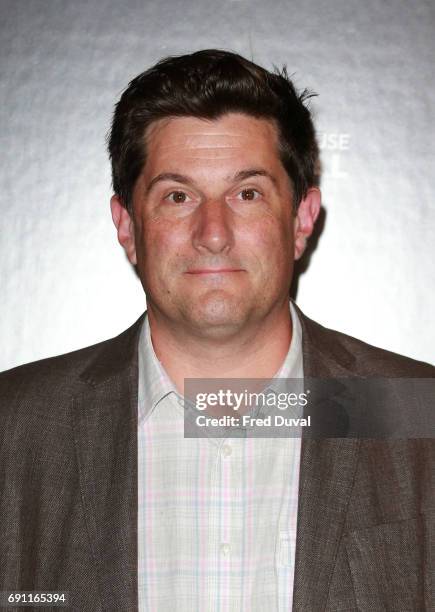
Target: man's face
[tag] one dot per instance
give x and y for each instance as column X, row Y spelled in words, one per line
column 213, row 232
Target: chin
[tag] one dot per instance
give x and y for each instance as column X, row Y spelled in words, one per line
column 218, row 315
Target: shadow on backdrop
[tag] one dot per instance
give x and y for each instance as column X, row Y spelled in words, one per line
column 303, row 263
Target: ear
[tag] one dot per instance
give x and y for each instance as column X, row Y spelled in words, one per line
column 125, row 228
column 306, row 216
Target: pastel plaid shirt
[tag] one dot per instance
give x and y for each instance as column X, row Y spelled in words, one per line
column 216, row 517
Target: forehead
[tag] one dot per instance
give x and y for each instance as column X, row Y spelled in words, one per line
column 234, row 136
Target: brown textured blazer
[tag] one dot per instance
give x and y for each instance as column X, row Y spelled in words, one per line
column 68, row 486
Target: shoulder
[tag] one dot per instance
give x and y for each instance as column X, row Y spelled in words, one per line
column 63, row 368
column 37, row 401
column 350, row 356
column 51, row 379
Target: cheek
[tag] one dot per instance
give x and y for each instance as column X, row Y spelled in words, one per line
column 270, row 242
column 162, row 242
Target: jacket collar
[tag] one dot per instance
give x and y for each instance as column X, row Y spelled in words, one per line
column 116, row 357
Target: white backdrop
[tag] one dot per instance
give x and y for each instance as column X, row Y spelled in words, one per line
column 65, row 282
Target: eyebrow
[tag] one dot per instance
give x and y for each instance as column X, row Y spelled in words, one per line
column 239, row 176
column 245, row 174
column 169, row 176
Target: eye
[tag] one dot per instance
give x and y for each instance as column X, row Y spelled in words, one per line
column 249, row 194
column 178, row 197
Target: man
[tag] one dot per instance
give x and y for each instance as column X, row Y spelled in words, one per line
column 102, row 497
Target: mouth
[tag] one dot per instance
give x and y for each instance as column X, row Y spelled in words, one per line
column 214, row 270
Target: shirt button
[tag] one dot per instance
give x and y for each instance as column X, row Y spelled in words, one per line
column 226, row 450
column 225, row 550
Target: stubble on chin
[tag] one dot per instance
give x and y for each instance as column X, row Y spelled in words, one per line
column 216, row 315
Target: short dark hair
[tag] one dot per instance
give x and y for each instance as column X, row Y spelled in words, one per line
column 208, row 84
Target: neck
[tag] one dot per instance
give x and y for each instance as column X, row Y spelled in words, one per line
column 255, row 352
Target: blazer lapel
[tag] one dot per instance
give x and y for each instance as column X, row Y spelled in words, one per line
column 327, row 471
column 105, row 424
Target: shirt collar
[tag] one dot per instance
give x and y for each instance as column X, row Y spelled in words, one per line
column 292, row 366
column 154, row 384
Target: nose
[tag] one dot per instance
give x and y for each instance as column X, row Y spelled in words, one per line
column 213, row 230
